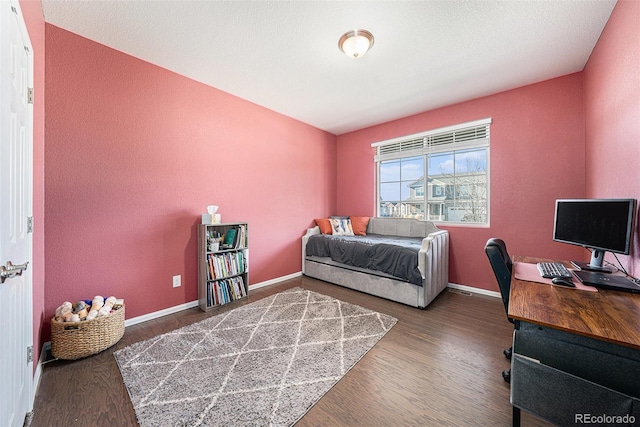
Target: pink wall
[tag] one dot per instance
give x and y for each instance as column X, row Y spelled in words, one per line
column 612, row 114
column 135, row 153
column 32, row 13
column 524, row 181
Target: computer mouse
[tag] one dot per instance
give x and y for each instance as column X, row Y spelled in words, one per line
column 563, row 282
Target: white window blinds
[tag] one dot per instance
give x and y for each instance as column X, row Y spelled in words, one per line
column 466, row 135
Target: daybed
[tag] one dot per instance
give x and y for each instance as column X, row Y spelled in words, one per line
column 430, row 259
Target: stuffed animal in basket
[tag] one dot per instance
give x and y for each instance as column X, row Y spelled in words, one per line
column 64, row 312
column 96, row 305
column 108, row 305
column 81, row 310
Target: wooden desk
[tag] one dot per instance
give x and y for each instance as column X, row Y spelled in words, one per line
column 599, row 374
column 611, row 316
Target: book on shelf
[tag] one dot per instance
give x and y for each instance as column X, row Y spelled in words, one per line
column 230, row 238
column 241, row 242
column 226, row 290
column 225, row 265
column 235, row 238
column 232, row 291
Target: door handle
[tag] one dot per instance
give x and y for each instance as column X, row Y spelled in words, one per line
column 11, row 271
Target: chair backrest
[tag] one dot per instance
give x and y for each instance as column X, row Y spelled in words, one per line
column 502, row 266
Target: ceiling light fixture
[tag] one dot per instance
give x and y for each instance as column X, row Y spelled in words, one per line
column 355, row 43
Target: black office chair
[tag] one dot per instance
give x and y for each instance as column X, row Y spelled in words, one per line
column 502, row 265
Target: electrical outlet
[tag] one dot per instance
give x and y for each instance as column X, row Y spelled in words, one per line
column 177, row 281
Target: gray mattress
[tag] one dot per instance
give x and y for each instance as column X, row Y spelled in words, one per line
column 393, row 255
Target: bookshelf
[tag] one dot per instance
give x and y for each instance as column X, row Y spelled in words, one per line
column 223, row 264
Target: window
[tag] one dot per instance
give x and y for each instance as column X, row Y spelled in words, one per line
column 440, row 175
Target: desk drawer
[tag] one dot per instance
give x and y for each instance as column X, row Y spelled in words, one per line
column 608, row 365
column 563, row 398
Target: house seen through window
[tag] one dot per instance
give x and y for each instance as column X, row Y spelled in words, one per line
column 440, row 175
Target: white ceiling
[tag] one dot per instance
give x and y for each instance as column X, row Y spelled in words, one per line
column 284, row 55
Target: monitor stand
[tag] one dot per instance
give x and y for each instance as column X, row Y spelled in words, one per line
column 595, row 264
column 589, row 267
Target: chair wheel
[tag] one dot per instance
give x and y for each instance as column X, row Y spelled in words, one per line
column 507, row 353
column 506, row 375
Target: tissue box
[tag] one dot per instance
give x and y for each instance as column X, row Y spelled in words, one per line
column 210, row 219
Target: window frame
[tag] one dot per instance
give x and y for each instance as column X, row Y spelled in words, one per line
column 450, row 139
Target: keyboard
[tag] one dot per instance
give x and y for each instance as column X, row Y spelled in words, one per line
column 550, row 270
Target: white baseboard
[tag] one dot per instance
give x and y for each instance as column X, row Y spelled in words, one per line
column 474, row 290
column 38, row 373
column 160, row 313
column 192, row 304
column 276, row 280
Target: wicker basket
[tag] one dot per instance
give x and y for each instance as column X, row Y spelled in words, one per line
column 75, row 340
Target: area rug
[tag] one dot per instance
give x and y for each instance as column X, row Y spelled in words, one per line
column 264, row 363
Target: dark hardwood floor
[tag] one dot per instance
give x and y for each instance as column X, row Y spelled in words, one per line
column 440, row 366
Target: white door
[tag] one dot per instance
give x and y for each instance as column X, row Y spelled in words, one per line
column 16, row 194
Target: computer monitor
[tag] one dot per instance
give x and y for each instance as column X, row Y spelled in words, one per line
column 598, row 224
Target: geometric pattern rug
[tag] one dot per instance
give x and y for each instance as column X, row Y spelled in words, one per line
column 263, row 363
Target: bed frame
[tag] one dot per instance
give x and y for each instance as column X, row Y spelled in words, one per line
column 433, row 263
